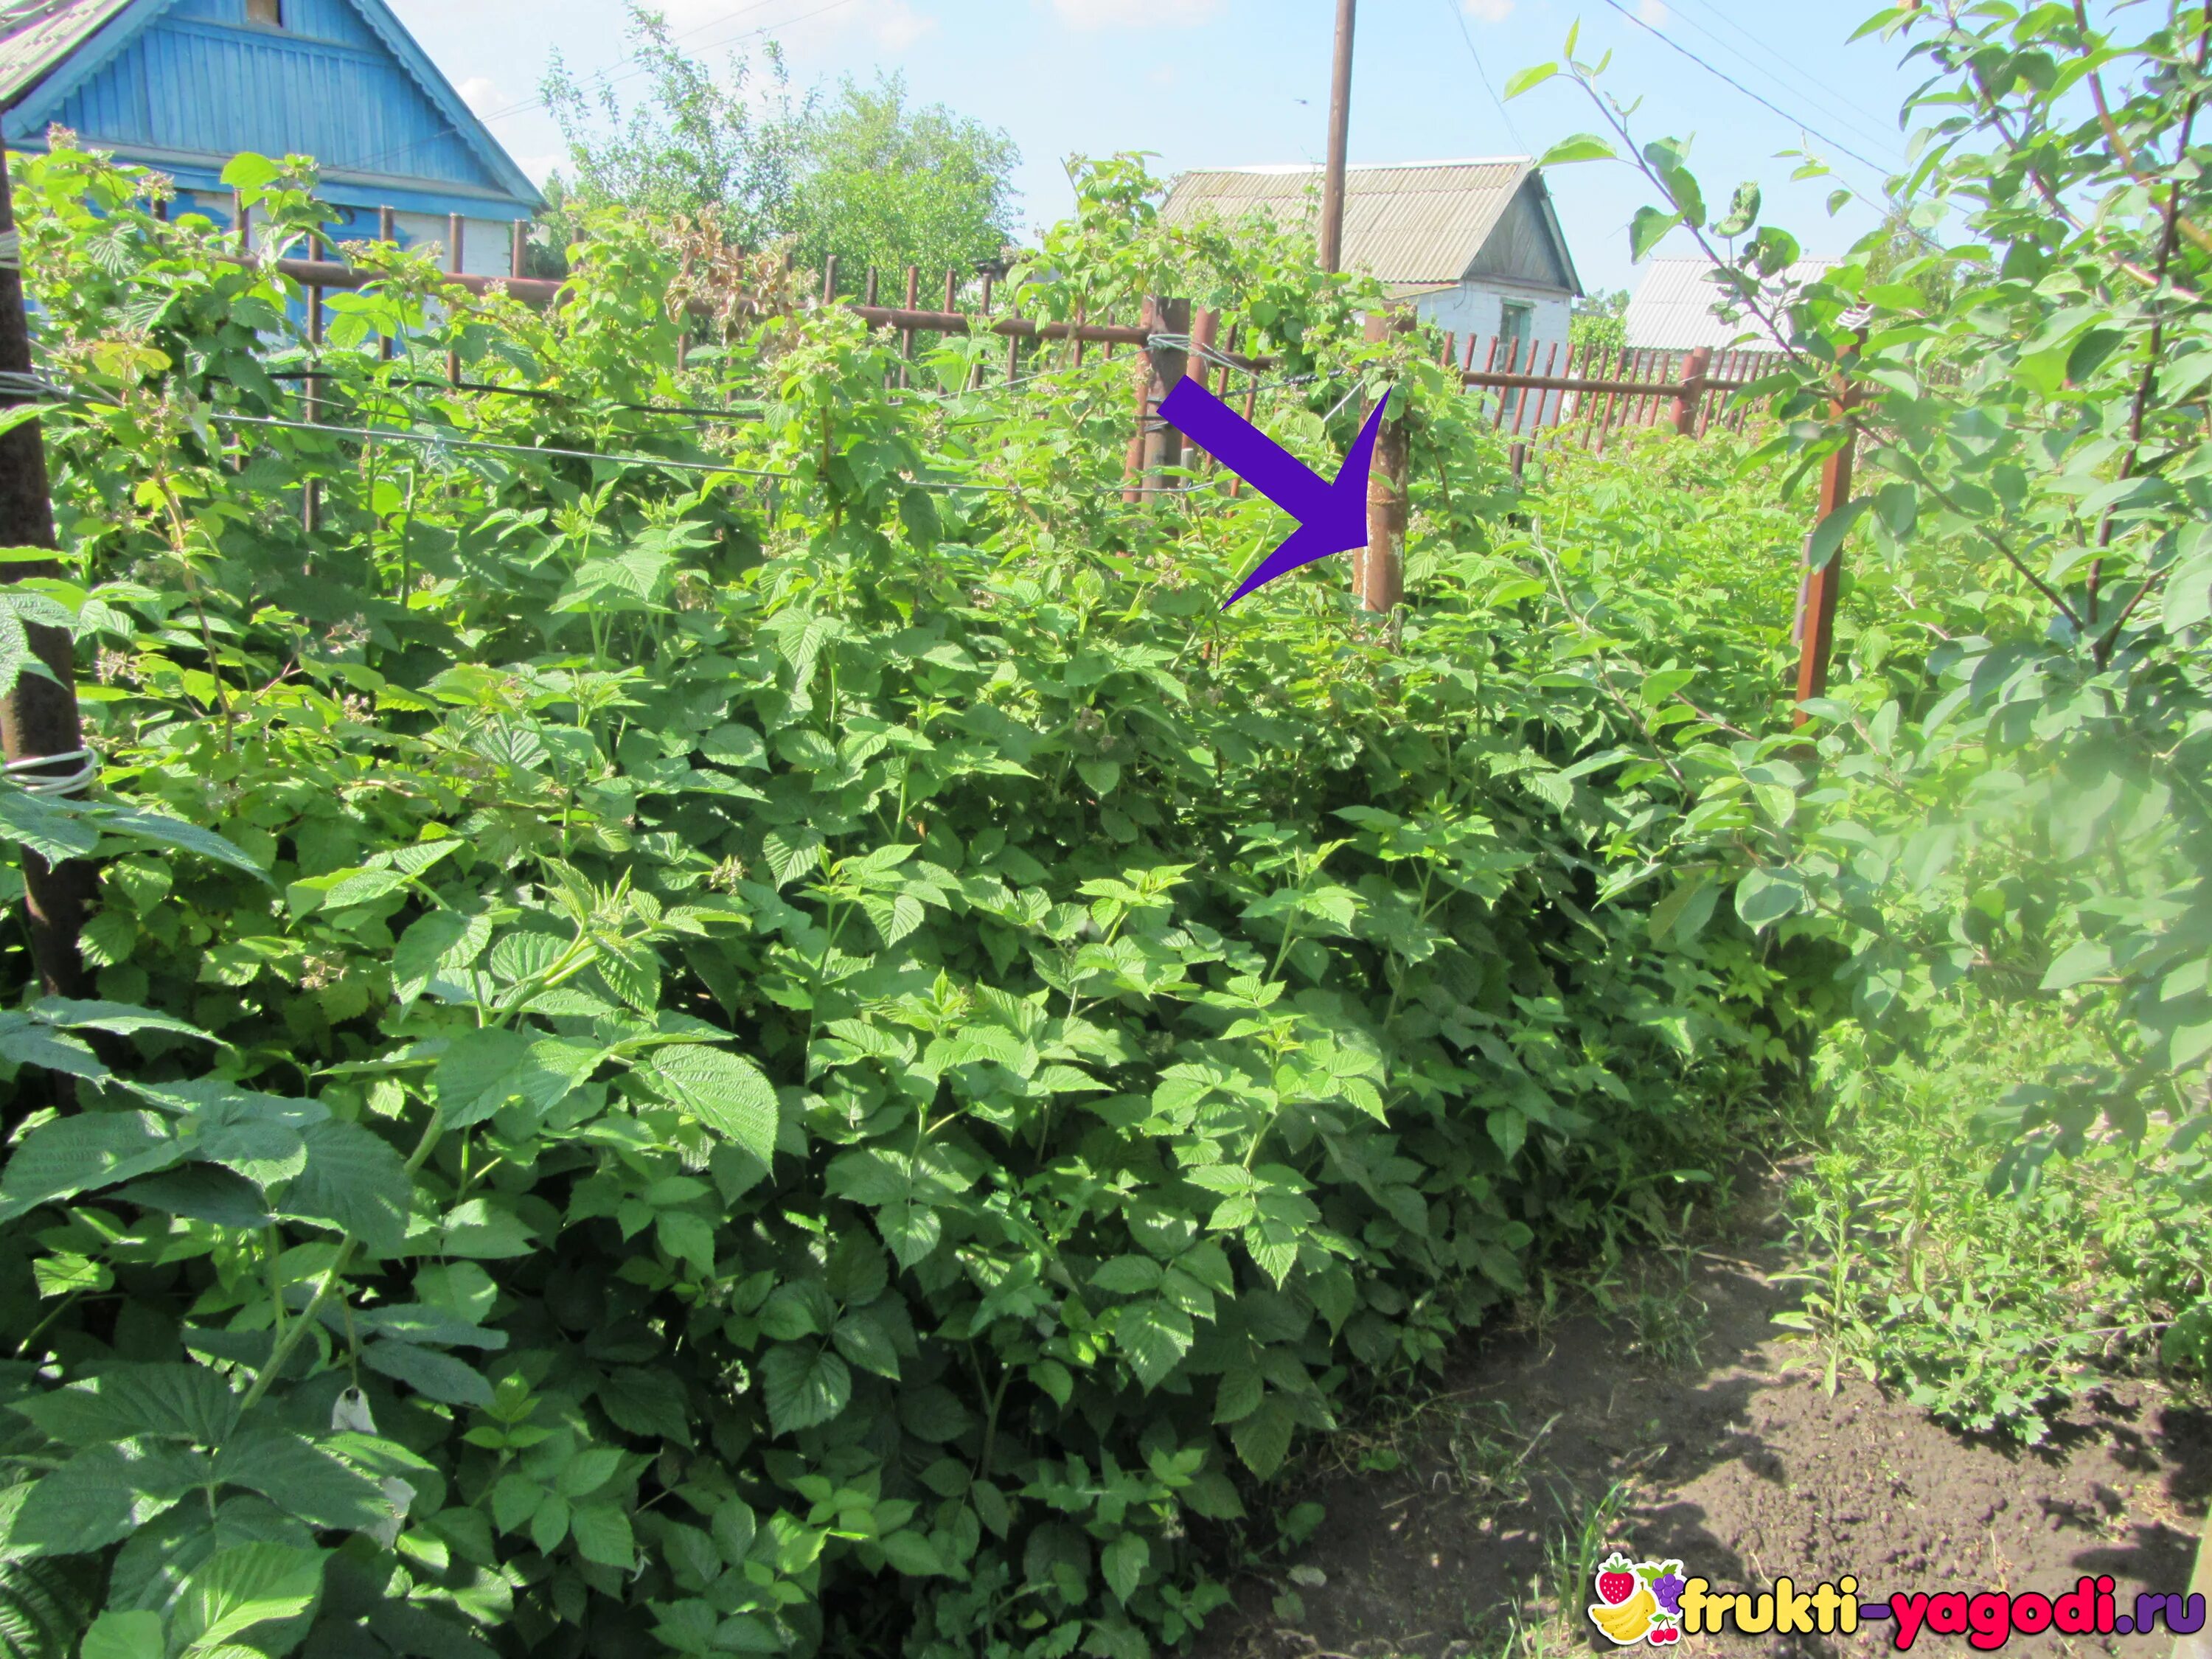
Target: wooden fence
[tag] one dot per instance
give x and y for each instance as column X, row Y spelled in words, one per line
column 1586, row 400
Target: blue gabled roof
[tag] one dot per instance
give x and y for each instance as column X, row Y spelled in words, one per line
column 184, row 85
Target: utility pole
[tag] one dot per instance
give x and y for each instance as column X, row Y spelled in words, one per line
column 1339, row 134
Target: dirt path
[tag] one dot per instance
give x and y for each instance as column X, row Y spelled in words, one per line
column 1680, row 1434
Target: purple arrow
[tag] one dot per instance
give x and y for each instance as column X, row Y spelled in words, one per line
column 1332, row 516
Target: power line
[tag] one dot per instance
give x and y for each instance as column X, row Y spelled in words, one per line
column 1483, row 74
column 1757, row 98
column 1806, row 87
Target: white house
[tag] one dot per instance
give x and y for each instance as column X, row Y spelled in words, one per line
column 1474, row 244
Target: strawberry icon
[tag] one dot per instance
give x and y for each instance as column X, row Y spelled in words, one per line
column 1616, row 1582
column 1664, row 1629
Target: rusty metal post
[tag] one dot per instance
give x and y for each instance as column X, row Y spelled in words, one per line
column 1204, row 326
column 828, row 279
column 38, row 721
column 311, row 489
column 518, row 250
column 1691, row 397
column 454, row 231
column 913, row 303
column 1816, row 594
column 1165, row 364
column 1378, row 570
column 1339, row 135
column 387, row 230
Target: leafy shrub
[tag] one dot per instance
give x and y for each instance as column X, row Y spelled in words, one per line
column 818, row 1052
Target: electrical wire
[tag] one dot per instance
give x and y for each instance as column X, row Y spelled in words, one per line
column 1483, row 74
column 1807, row 88
column 1757, row 98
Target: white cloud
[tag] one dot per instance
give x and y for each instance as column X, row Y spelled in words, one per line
column 1653, row 12
column 1135, row 14
column 480, row 94
column 896, row 26
column 1489, row 11
column 540, row 169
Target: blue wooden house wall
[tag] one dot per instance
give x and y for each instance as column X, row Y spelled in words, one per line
column 184, row 85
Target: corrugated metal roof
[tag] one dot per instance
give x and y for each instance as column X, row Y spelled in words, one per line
column 36, row 35
column 1420, row 224
column 1672, row 309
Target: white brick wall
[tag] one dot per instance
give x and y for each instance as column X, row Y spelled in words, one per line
column 1475, row 309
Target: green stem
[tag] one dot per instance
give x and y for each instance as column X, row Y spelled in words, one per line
column 297, row 1334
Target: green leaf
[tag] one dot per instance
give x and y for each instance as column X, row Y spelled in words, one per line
column 1123, row 1563
column 2084, row 959
column 302, row 1480
column 647, row 1403
column 437, row 1375
column 236, row 1590
column 602, row 1533
column 124, row 1636
column 120, row 1017
column 1646, row 229
column 166, row 1402
column 1263, row 1439
column 725, row 1091
column 165, row 831
column 353, row 1183
column 1763, row 897
column 248, row 171
column 1153, row 1337
column 1523, row 80
column 912, row 1553
column 1742, row 214
column 48, row 828
column 70, row 1155
column 102, row 1494
column 436, row 947
column 1582, row 147
column 486, row 1229
column 805, row 1384
column 1827, row 537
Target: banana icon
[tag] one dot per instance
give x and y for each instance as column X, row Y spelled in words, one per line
column 1624, row 1623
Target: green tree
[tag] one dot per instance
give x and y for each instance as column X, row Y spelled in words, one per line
column 865, row 174
column 890, row 184
column 696, row 144
column 1599, row 321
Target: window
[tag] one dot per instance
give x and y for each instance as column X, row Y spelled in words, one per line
column 1517, row 330
column 268, row 12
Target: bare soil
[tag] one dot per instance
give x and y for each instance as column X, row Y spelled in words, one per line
column 1740, row 1463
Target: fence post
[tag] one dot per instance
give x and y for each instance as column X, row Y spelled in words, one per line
column 454, row 231
column 1691, row 397
column 1161, row 444
column 1205, row 325
column 1816, row 592
column 1378, row 571
column 518, row 251
column 38, row 722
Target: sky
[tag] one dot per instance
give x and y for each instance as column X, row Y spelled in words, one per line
column 1245, row 82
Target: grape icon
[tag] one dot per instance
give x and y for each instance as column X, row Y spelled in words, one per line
column 1668, row 1587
